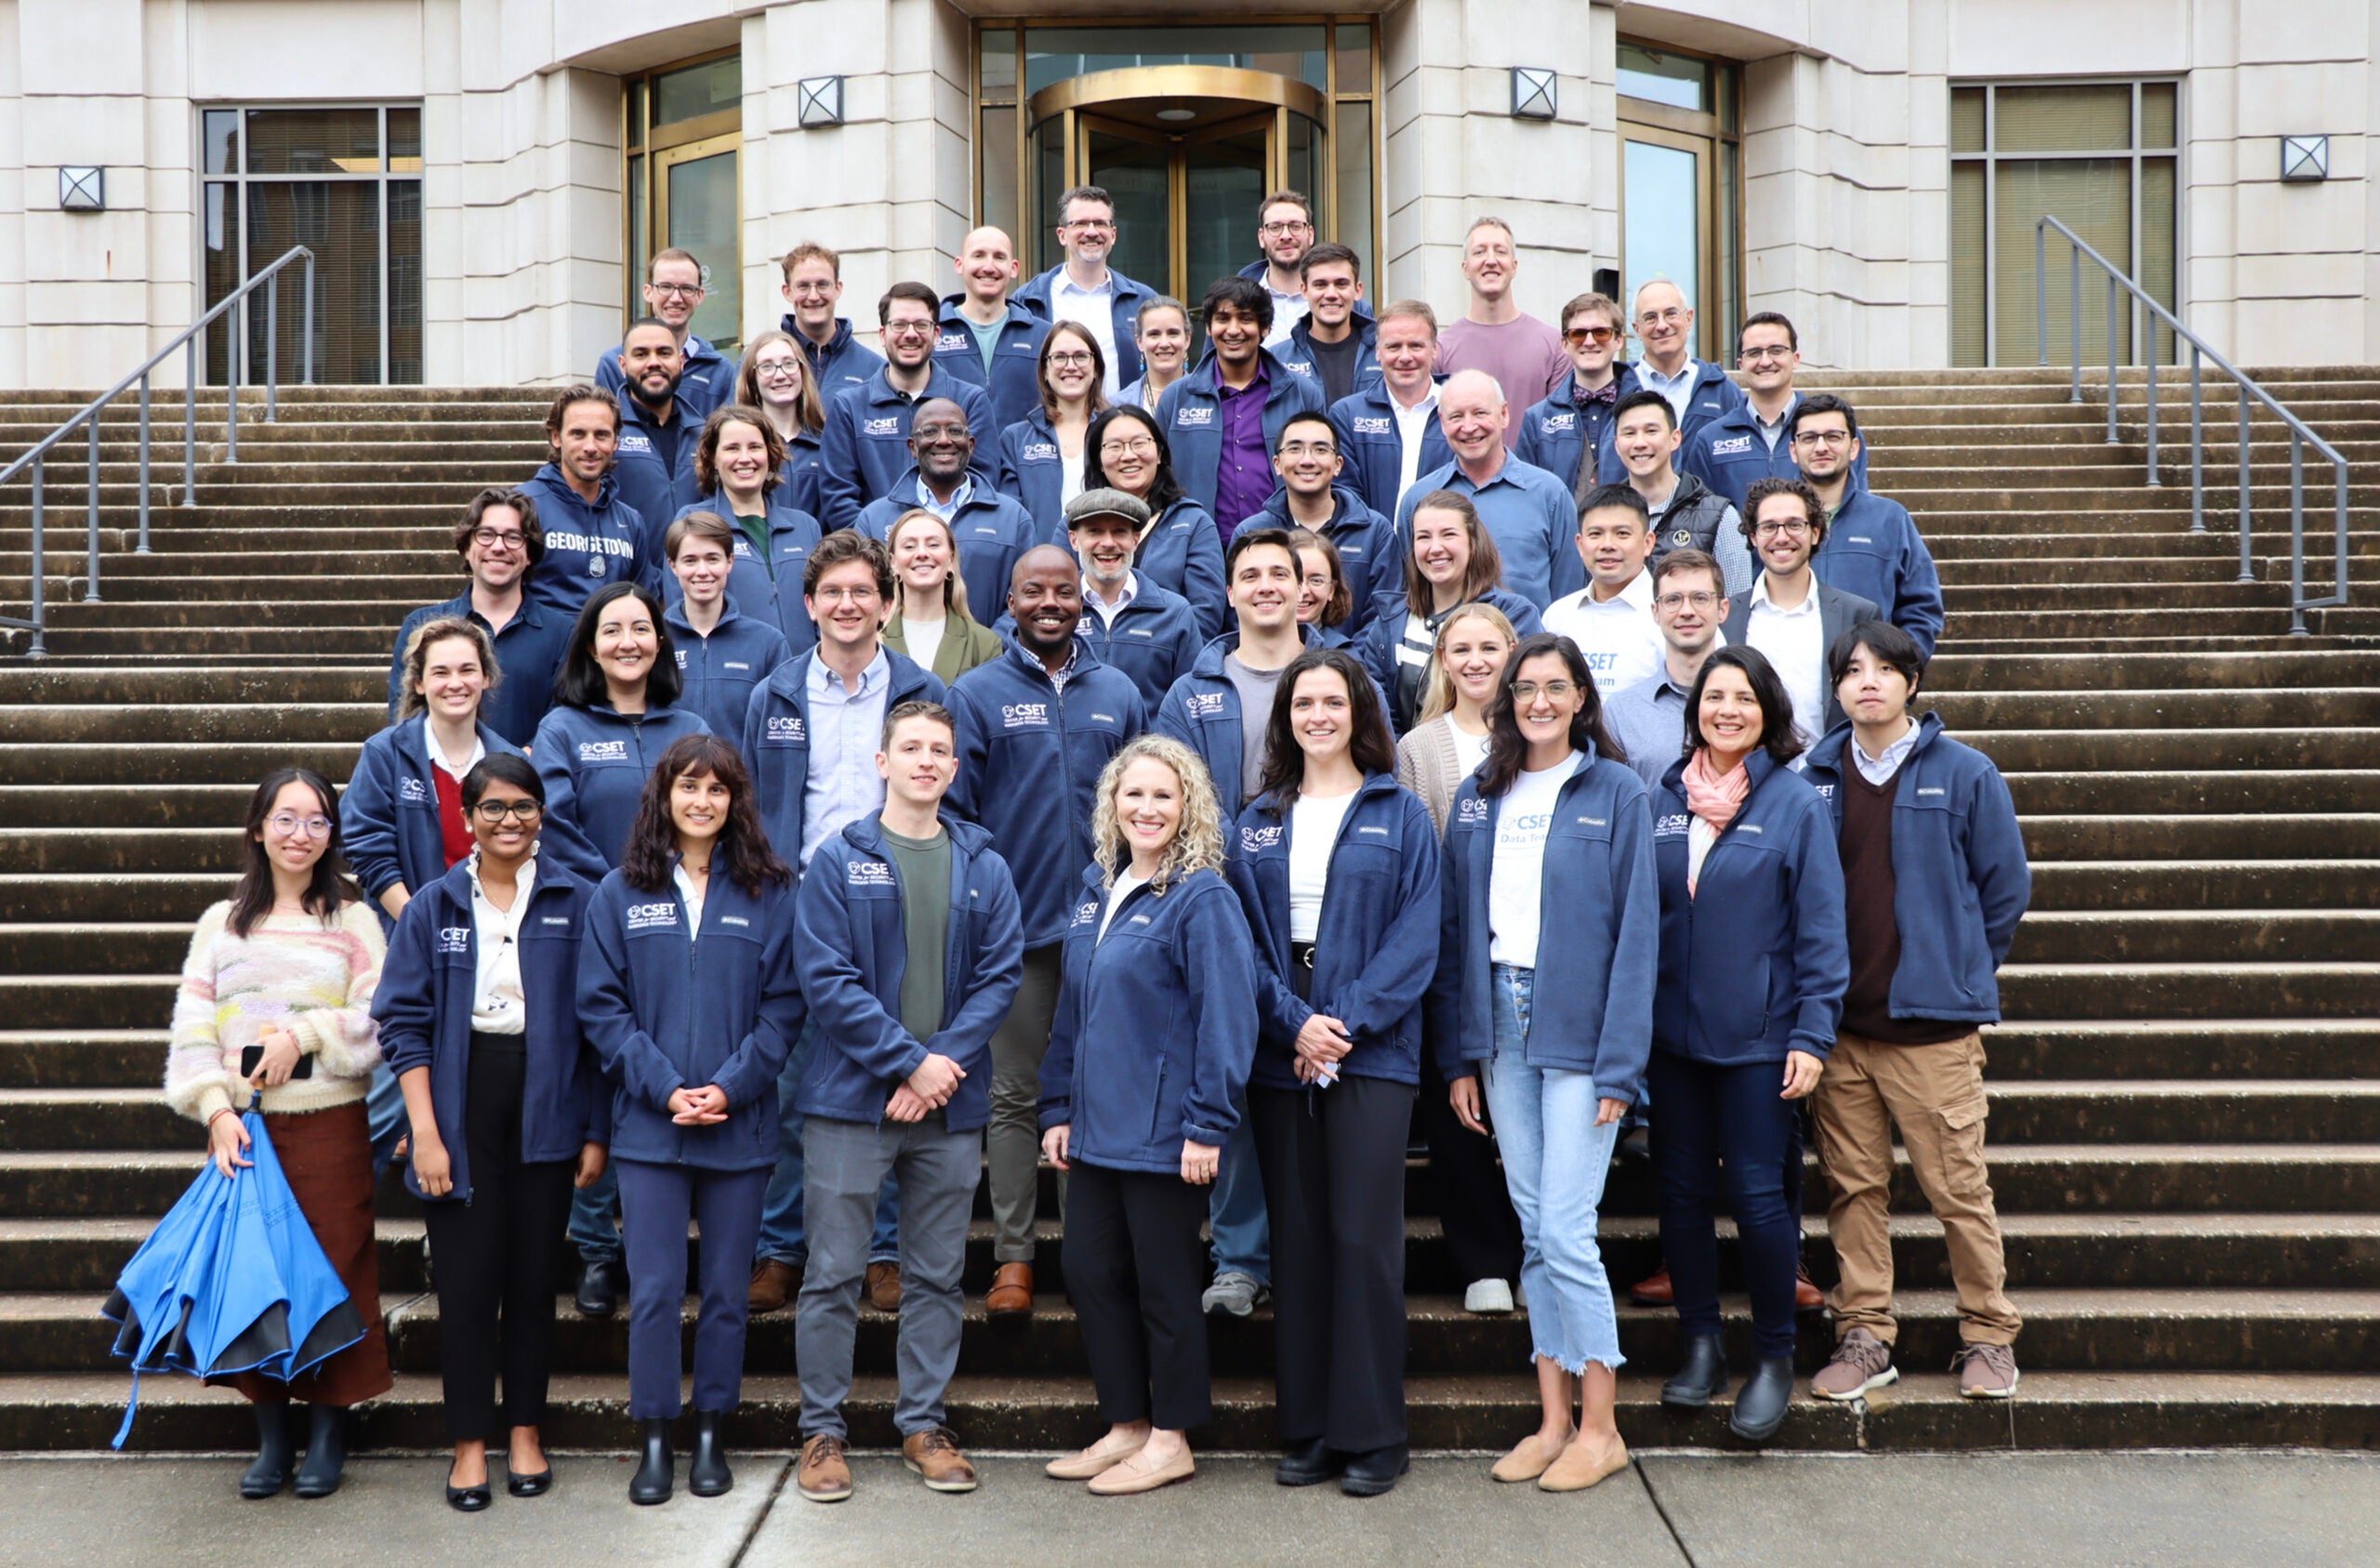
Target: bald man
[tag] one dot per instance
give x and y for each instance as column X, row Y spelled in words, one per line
column 1697, row 390
column 987, row 337
column 1527, row 511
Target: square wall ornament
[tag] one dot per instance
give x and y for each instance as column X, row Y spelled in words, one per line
column 2305, row 157
column 820, row 100
column 82, row 189
column 1533, row 93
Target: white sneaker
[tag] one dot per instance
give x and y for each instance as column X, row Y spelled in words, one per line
column 1488, row 1295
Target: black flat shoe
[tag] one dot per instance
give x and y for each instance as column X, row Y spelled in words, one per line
column 707, row 1473
column 269, row 1473
column 467, row 1499
column 1370, row 1475
column 325, row 1461
column 1307, row 1462
column 1761, row 1403
column 599, row 1290
column 1701, row 1379
column 523, row 1483
column 652, row 1481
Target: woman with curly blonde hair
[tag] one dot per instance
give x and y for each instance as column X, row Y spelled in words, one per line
column 1157, row 1010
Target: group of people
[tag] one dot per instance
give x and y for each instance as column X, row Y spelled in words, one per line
column 845, row 780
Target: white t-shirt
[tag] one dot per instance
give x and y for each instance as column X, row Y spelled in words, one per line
column 1618, row 636
column 1313, row 832
column 1516, row 876
column 1470, row 750
column 924, row 639
column 1125, row 886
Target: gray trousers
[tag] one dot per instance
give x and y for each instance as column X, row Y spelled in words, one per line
column 847, row 1164
column 1014, row 1139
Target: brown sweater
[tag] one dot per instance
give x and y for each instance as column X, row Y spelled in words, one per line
column 1869, row 887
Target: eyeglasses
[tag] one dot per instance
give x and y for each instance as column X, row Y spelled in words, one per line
column 1309, row 449
column 1822, row 438
column 1656, row 317
column 1790, row 528
column 1138, row 446
column 1765, row 351
column 940, row 432
column 1674, row 601
column 778, row 370
column 1580, row 336
column 839, row 594
column 909, row 329
column 1078, row 360
column 288, row 822
column 1088, row 225
column 493, row 812
column 1276, row 229
column 511, row 538
column 677, row 291
column 1529, row 690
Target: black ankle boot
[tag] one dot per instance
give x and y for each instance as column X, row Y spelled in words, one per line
column 652, row 1479
column 326, row 1452
column 706, row 1474
column 1304, row 1464
column 269, row 1471
column 1702, row 1379
column 1760, row 1404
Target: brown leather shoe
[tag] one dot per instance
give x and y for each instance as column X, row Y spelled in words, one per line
column 1807, row 1297
column 934, row 1454
column 825, row 1475
column 1654, row 1289
column 774, row 1285
column 1012, row 1290
column 884, row 1287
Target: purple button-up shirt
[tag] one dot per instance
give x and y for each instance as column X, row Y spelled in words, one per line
column 1244, row 472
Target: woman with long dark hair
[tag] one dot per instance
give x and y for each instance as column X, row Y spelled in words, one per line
column 1337, row 868
column 1179, row 550
column 1543, row 1010
column 275, row 1002
column 1752, row 985
column 775, row 379
column 739, row 476
column 1042, row 454
column 479, row 1018
column 1451, row 561
column 688, row 995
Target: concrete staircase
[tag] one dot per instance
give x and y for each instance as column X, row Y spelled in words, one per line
column 2185, row 1099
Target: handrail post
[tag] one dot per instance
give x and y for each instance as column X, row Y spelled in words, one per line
column 2112, row 359
column 2296, row 534
column 2247, row 495
column 236, row 320
column 91, row 508
column 2198, row 443
column 143, row 549
column 2154, row 482
column 2338, row 523
column 2074, row 310
column 190, row 421
column 306, row 327
column 272, row 349
column 40, row 560
column 2040, row 289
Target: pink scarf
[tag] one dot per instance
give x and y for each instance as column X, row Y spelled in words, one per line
column 1714, row 800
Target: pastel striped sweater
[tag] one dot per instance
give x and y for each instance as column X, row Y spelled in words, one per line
column 313, row 979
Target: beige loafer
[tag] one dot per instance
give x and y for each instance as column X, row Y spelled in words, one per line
column 1581, row 1465
column 1136, row 1474
column 1102, row 1456
column 1528, row 1460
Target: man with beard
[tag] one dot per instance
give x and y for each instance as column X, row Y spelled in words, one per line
column 866, row 443
column 992, row 529
column 659, row 430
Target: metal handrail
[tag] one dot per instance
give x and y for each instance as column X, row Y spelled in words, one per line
column 2301, row 435
column 89, row 419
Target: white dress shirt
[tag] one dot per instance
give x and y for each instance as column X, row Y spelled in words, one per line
column 497, row 1003
column 1618, row 636
column 1411, row 425
column 1094, row 309
column 1794, row 641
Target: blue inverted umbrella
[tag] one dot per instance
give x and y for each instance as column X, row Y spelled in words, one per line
column 232, row 1280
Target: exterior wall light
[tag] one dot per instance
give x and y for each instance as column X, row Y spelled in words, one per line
column 821, row 102
column 1533, row 93
column 82, row 189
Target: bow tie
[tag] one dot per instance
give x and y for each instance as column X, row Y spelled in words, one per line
column 1607, row 394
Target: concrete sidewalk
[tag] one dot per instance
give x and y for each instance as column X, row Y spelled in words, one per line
column 1670, row 1510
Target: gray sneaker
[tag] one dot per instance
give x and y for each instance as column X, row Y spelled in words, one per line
column 1861, row 1362
column 1235, row 1293
column 1986, row 1371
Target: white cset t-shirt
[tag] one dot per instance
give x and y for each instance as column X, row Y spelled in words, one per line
column 1516, row 876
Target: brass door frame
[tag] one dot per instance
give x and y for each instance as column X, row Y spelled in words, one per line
column 657, row 192
column 1706, row 219
column 1177, row 174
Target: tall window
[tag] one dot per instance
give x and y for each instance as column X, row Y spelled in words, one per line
column 343, row 181
column 685, row 136
column 2100, row 156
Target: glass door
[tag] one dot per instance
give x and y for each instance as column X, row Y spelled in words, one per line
column 682, row 132
column 1664, row 206
column 698, row 206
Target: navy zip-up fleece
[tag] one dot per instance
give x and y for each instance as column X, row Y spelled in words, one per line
column 1154, row 639
column 1201, row 710
column 865, row 447
column 803, row 459
column 1156, row 1024
column 1531, row 515
column 855, row 950
column 388, row 815
column 1367, row 544
column 707, row 382
column 770, row 592
column 424, row 1008
column 1029, row 755
column 594, row 762
column 1556, row 433
column 777, row 738
column 586, row 547
column 992, row 531
column 656, row 488
column 1600, row 911
column 1032, row 468
column 1377, row 948
column 1182, row 552
column 1124, row 313
column 1729, row 454
column 665, row 1010
column 528, row 651
column 721, row 670
column 1761, row 969
column 1367, row 421
column 1960, row 878
column 1191, row 415
column 1297, row 351
column 1015, row 386
column 1872, row 548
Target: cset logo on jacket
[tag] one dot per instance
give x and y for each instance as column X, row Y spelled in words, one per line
column 1554, row 424
column 1206, row 705
column 412, row 791
column 454, row 939
column 1670, row 825
column 1193, row 418
column 1255, row 840
column 1024, row 716
column 1372, row 424
column 1471, row 813
column 652, row 916
column 1039, row 452
column 869, row 873
column 888, row 426
column 601, row 751
column 784, row 730
column 1732, row 446
column 1086, row 913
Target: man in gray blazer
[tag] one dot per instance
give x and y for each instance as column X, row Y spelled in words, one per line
column 1790, row 615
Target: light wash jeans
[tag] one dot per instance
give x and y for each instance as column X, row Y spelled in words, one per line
column 1235, row 1214
column 1556, row 1159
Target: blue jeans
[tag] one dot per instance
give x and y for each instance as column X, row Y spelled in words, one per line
column 781, row 1237
column 1243, row 1235
column 384, row 1113
column 595, row 1219
column 1556, row 1159
column 1723, row 1131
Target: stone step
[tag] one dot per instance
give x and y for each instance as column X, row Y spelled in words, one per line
column 2198, row 1049
column 2202, row 835
column 167, row 761
column 2279, row 790
column 2087, row 749
column 2225, row 884
column 51, row 682
column 2270, row 708
column 2339, row 990
column 2164, row 936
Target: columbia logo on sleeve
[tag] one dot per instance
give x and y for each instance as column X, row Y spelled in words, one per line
column 562, row 920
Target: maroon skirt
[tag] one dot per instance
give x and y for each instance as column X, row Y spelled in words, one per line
column 327, row 1158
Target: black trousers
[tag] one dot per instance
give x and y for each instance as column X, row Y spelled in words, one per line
column 1483, row 1234
column 1134, row 1268
column 493, row 1257
column 1333, row 1159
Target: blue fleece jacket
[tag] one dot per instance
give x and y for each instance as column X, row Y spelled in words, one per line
column 1872, row 548
column 1377, row 947
column 708, row 381
column 855, row 950
column 1032, row 468
column 865, row 447
column 528, row 651
column 594, row 762
column 586, row 547
column 1367, row 421
column 1556, row 433
column 1960, row 878
column 1191, row 415
column 721, row 670
column 1029, row 755
column 1154, row 639
column 1201, row 710
column 992, row 530
column 424, row 1008
column 1297, row 351
column 1367, row 544
column 666, row 1009
column 388, row 815
column 1714, row 394
column 1760, row 969
column 1729, row 454
column 655, row 477
column 1532, row 517
column 1124, row 314
column 1015, row 385
column 845, row 361
column 775, row 738
column 770, row 591
column 1156, row 1024
column 1182, row 552
column 804, row 458
column 1599, row 910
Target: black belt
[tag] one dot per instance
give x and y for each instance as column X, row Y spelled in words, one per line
column 499, row 1045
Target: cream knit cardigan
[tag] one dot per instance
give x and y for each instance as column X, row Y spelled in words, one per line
column 311, row 977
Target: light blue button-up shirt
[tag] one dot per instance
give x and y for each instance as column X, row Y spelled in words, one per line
column 942, row 509
column 844, row 729
column 1677, row 388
